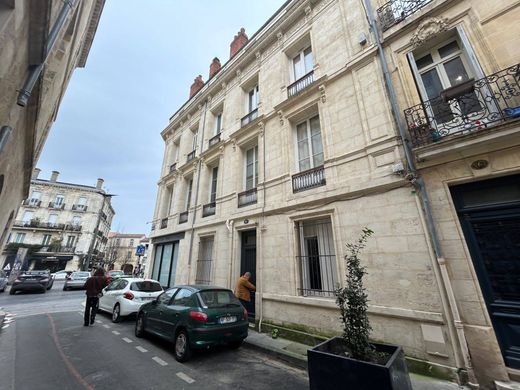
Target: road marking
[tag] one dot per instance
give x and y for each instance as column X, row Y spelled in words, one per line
column 106, row 326
column 139, row 348
column 116, row 332
column 99, row 322
column 185, row 377
column 160, row 361
column 5, row 326
column 127, row 340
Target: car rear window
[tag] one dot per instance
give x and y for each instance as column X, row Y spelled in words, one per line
column 36, row 272
column 218, row 298
column 146, row 286
column 81, row 274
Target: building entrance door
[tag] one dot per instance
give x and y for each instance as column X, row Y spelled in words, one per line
column 489, row 212
column 248, row 264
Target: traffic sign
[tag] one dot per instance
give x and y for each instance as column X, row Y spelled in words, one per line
column 139, row 250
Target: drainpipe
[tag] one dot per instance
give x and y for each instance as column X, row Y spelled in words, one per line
column 262, row 219
column 417, row 181
column 199, row 166
column 25, row 92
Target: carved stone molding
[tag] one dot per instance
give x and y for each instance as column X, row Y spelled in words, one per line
column 261, row 131
column 323, row 96
column 280, row 116
column 427, row 30
column 221, row 151
column 234, row 144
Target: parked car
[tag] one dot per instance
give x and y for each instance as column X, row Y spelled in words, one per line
column 32, row 281
column 76, row 280
column 125, row 296
column 61, row 275
column 3, row 281
column 114, row 275
column 194, row 316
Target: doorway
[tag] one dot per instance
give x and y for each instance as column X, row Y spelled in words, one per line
column 248, row 264
column 489, row 212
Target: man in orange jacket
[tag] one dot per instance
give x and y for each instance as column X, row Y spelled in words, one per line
column 244, row 288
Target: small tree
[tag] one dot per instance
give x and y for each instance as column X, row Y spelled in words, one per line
column 353, row 302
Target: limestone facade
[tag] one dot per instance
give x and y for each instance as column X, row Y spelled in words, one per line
column 121, row 251
column 291, row 148
column 25, row 31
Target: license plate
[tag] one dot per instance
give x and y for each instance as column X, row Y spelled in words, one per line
column 147, row 298
column 227, row 319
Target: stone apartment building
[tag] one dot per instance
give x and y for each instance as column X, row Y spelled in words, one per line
column 41, row 44
column 63, row 225
column 121, row 251
column 339, row 114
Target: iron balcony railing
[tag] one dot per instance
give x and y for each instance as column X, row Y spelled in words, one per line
column 58, row 249
column 53, row 205
column 152, row 228
column 32, row 202
column 190, row 156
column 214, row 140
column 209, row 209
column 247, row 197
column 73, row 227
column 314, row 177
column 79, row 207
column 183, row 217
column 300, row 84
column 466, row 108
column 173, row 167
column 164, row 223
column 35, row 224
column 396, row 11
column 249, row 117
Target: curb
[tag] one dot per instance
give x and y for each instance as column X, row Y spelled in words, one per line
column 291, row 358
column 2, row 317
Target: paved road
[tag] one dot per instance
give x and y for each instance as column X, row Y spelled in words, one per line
column 51, row 349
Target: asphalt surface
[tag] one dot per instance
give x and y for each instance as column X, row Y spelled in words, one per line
column 44, row 345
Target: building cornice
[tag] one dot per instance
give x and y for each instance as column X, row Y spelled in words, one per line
column 95, row 16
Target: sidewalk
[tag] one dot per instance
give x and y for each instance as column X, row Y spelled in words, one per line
column 296, row 354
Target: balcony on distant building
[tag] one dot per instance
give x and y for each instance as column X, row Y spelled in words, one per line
column 209, row 209
column 79, row 207
column 214, row 140
column 32, row 202
column 395, row 11
column 190, row 156
column 247, row 198
column 164, row 223
column 311, row 178
column 247, row 119
column 54, row 205
column 300, row 84
column 173, row 167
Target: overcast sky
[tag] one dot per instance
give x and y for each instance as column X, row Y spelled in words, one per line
column 143, row 60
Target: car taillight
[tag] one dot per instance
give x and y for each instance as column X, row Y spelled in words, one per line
column 245, row 313
column 128, row 295
column 198, row 316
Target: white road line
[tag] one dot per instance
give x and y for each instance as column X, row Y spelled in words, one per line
column 106, row 326
column 127, row 340
column 139, row 348
column 5, row 326
column 99, row 322
column 160, row 361
column 116, row 332
column 185, row 377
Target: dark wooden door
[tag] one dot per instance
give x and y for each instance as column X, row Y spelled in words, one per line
column 248, row 264
column 489, row 212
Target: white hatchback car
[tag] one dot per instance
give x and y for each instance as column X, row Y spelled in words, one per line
column 125, row 296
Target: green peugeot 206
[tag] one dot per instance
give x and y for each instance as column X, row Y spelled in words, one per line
column 194, row 316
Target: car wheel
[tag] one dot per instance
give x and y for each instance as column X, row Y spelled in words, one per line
column 12, row 292
column 235, row 344
column 182, row 347
column 116, row 313
column 139, row 325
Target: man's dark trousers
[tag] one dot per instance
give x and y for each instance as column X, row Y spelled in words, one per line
column 91, row 310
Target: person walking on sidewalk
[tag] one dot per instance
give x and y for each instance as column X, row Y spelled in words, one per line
column 243, row 290
column 94, row 285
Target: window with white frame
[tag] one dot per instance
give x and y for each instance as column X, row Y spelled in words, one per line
column 35, row 197
column 251, row 168
column 189, row 193
column 309, row 145
column 27, row 216
column 76, row 220
column 204, row 261
column 218, row 123
column 253, row 99
column 46, row 239
column 20, row 237
column 302, row 63
column 71, row 240
column 316, row 258
column 82, row 202
column 59, row 200
column 213, row 185
column 131, row 242
column 53, row 219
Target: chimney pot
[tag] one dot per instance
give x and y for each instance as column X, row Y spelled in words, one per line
column 99, row 183
column 198, row 83
column 238, row 42
column 36, row 173
column 54, row 176
column 214, row 67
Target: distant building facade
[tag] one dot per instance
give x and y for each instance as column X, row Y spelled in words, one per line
column 121, row 252
column 63, row 225
column 41, row 43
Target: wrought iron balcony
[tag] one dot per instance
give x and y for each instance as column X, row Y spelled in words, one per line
column 53, row 205
column 152, row 228
column 173, row 167
column 300, row 84
column 314, row 177
column 214, row 140
column 247, row 197
column 79, row 207
column 396, row 11
column 58, row 249
column 466, row 108
column 73, row 227
column 249, row 117
column 209, row 209
column 164, row 223
column 32, row 202
column 183, row 217
column 36, row 224
column 190, row 156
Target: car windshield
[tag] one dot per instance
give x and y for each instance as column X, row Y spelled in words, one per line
column 146, row 286
column 80, row 274
column 218, row 298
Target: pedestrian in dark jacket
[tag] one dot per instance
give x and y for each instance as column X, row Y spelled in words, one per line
column 94, row 285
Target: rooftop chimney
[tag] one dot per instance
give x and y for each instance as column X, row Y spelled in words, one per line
column 238, row 42
column 99, row 183
column 214, row 67
column 198, row 83
column 54, row 176
column 36, row 173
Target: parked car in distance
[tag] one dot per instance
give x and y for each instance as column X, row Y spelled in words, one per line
column 32, row 281
column 61, row 275
column 3, row 281
column 114, row 275
column 76, row 280
column 125, row 296
column 194, row 316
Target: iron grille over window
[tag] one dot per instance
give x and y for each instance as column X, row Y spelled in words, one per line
column 204, row 261
column 317, row 258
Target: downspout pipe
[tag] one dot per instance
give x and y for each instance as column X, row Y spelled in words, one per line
column 418, row 183
column 35, row 71
column 261, row 270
